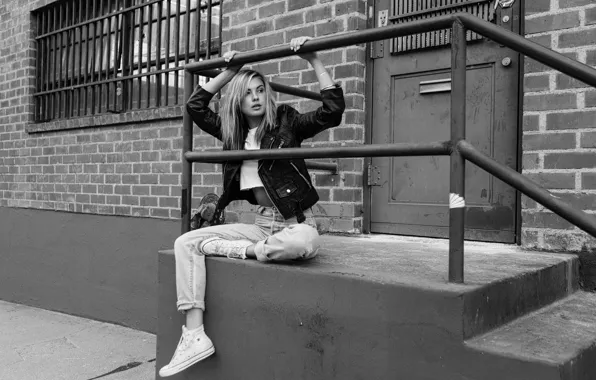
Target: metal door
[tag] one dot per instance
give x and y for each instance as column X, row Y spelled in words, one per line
column 411, row 103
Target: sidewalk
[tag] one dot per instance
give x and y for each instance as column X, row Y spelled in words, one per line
column 37, row 344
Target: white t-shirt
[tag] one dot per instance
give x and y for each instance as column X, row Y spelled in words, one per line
column 249, row 178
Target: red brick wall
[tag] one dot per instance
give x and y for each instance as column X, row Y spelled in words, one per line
column 130, row 164
column 559, row 141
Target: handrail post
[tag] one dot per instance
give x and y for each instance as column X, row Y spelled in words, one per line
column 457, row 162
column 186, row 147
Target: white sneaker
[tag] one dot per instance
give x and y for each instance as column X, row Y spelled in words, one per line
column 194, row 346
column 234, row 249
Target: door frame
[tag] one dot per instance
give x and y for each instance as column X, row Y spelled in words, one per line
column 518, row 26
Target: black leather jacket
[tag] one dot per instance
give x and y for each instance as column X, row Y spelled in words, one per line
column 287, row 182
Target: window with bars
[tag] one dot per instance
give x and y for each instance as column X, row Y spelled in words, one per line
column 113, row 56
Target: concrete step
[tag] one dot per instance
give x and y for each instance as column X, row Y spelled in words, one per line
column 369, row 307
column 561, row 337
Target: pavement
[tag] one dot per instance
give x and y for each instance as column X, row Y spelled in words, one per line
column 37, row 344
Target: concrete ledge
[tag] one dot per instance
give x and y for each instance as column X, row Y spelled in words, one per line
column 366, row 308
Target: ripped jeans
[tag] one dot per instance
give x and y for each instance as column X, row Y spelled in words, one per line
column 275, row 239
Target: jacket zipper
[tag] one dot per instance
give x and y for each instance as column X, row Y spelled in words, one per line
column 259, row 174
column 261, row 163
column 281, row 143
column 301, row 175
column 266, row 191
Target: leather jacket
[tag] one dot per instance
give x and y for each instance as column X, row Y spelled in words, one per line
column 287, row 182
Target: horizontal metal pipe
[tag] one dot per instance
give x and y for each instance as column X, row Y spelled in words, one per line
column 579, row 218
column 274, row 86
column 531, row 49
column 335, row 41
column 374, row 150
column 316, row 165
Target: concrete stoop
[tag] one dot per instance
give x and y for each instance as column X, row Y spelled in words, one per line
column 560, row 337
column 379, row 307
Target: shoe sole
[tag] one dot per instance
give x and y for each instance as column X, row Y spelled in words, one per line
column 189, row 363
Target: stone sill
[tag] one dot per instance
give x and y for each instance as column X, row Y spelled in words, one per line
column 109, row 119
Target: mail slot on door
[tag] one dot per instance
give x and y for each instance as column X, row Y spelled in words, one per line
column 435, row 86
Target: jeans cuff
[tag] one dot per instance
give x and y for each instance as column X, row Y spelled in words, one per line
column 186, row 305
column 260, row 251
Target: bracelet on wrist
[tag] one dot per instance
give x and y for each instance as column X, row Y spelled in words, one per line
column 334, row 85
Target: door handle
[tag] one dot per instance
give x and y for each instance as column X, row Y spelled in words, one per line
column 435, row 86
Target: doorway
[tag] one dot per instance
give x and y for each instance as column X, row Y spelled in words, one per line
column 410, row 103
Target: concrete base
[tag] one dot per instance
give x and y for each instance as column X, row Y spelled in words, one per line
column 94, row 266
column 367, row 308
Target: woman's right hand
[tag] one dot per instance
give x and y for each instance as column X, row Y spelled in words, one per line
column 228, row 56
column 216, row 84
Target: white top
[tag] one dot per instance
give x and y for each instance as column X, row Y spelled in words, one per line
column 249, row 178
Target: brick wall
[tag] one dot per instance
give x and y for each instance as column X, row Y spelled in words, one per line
column 115, row 168
column 559, row 140
column 130, row 164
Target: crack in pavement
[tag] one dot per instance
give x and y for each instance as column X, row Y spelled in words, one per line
column 122, row 368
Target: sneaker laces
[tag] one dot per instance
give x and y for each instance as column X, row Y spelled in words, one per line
column 185, row 340
column 227, row 248
column 233, row 249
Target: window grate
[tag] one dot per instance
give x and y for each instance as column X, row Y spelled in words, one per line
column 403, row 11
column 111, row 56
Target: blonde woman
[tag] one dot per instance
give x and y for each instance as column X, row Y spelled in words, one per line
column 284, row 227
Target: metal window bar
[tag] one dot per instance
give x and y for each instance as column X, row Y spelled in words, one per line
column 102, row 56
column 158, row 34
column 167, row 63
column 458, row 148
column 91, row 52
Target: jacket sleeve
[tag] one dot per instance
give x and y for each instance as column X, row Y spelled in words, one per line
column 197, row 107
column 328, row 115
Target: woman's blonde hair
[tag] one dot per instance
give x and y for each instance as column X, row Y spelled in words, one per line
column 232, row 118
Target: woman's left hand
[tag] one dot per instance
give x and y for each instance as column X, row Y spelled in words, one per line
column 297, row 42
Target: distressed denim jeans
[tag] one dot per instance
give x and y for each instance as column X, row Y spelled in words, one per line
column 275, row 239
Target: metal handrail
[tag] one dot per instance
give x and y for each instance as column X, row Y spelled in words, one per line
column 370, row 150
column 458, row 149
column 583, row 220
column 513, row 41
